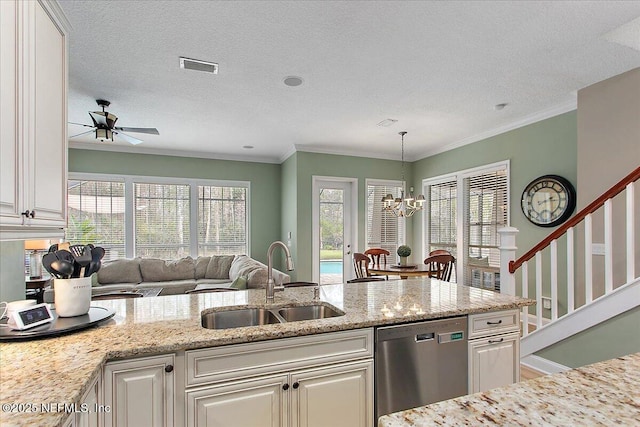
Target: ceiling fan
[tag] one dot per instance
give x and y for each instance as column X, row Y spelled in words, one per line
column 104, row 126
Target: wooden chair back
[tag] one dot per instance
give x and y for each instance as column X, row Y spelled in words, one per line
column 441, row 266
column 439, row 252
column 376, row 255
column 361, row 265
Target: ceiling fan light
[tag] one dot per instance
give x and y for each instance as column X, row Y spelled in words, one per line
column 103, row 134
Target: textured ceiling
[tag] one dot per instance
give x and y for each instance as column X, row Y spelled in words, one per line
column 436, row 67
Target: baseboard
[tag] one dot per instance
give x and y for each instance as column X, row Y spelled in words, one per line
column 542, row 365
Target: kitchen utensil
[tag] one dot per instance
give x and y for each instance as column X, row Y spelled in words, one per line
column 64, row 255
column 82, row 257
column 97, row 253
column 47, row 259
column 63, row 268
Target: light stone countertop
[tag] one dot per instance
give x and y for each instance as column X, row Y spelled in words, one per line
column 59, row 370
column 602, row 394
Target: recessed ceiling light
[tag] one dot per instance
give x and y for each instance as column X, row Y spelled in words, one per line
column 247, row 147
column 198, row 65
column 293, row 81
column 499, row 107
column 387, row 122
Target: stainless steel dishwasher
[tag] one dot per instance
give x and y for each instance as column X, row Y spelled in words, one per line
column 420, row 363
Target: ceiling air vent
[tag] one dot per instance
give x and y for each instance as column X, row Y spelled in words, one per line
column 197, row 65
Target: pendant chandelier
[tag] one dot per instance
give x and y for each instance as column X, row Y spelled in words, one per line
column 403, row 206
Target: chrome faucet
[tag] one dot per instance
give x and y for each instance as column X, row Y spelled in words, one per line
column 271, row 285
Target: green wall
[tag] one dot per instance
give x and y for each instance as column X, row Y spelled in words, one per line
column 615, row 337
column 264, row 178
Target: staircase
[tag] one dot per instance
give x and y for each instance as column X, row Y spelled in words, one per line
column 575, row 282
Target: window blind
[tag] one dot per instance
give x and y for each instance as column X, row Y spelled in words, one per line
column 96, row 212
column 384, row 229
column 222, row 220
column 161, row 220
column 486, row 211
column 442, row 224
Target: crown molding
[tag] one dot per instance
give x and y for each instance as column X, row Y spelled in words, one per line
column 526, row 120
column 173, row 153
column 339, row 152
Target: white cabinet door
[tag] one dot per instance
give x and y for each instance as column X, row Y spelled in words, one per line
column 340, row 395
column 33, row 119
column 91, row 410
column 494, row 362
column 10, row 167
column 257, row 402
column 140, row 392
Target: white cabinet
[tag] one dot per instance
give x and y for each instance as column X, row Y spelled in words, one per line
column 91, row 411
column 140, row 392
column 33, row 116
column 494, row 350
column 316, row 380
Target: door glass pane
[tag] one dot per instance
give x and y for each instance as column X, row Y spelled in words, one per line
column 331, row 235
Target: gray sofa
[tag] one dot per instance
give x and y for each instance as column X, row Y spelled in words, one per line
column 182, row 275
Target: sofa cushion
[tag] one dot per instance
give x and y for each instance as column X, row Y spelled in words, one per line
column 157, row 270
column 120, row 271
column 171, row 287
column 201, row 266
column 212, row 281
column 243, row 265
column 113, row 288
column 219, row 267
column 258, row 278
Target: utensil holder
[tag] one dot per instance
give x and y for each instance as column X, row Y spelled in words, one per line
column 72, row 297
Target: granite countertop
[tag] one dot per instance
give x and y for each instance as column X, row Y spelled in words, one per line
column 602, row 394
column 60, row 370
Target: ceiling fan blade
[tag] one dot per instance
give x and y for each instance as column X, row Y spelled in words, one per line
column 128, row 138
column 152, row 131
column 80, row 134
column 80, row 124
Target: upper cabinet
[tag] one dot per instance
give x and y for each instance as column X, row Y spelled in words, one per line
column 33, row 117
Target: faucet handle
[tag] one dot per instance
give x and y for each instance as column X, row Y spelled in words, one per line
column 316, row 292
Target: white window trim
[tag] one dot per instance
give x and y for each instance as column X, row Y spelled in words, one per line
column 193, row 184
column 460, row 176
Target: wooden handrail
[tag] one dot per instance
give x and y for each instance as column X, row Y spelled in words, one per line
column 574, row 220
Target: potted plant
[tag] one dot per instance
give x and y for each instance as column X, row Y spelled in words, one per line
column 403, row 252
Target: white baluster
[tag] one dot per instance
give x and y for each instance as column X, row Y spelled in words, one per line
column 631, row 274
column 554, row 280
column 588, row 259
column 570, row 272
column 525, row 294
column 608, row 247
column 539, row 290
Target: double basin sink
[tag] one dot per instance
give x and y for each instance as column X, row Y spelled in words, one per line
column 237, row 318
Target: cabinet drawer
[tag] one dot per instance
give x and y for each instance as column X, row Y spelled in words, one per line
column 497, row 322
column 269, row 357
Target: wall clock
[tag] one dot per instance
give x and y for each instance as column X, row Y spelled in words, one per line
column 548, row 200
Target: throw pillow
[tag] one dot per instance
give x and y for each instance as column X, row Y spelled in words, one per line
column 120, row 271
column 219, row 267
column 158, row 270
column 94, row 279
column 239, row 283
column 202, row 262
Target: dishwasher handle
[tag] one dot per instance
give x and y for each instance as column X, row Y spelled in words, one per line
column 425, row 337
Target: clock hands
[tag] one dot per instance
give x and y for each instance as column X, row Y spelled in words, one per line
column 550, row 199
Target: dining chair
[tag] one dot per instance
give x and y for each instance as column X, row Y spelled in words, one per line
column 361, row 267
column 439, row 252
column 376, row 254
column 441, row 266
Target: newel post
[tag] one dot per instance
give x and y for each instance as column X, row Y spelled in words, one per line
column 507, row 254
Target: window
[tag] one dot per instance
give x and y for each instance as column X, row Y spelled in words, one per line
column 152, row 217
column 384, row 229
column 96, row 212
column 466, row 222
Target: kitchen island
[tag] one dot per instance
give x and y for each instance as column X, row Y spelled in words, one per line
column 602, row 394
column 61, row 370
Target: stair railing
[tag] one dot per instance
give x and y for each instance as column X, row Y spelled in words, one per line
column 509, row 265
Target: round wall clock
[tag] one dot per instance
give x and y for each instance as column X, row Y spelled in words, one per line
column 548, row 200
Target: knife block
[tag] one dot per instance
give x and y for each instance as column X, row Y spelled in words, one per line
column 72, row 297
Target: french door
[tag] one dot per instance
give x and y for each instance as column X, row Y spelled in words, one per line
column 334, row 223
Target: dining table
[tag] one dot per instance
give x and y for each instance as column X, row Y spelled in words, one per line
column 404, row 271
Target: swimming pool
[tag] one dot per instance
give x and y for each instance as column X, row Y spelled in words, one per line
column 330, row 267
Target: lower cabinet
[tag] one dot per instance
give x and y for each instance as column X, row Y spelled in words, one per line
column 494, row 350
column 338, row 395
column 92, row 410
column 140, row 392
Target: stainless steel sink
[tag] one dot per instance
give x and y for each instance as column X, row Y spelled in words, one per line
column 238, row 318
column 308, row 312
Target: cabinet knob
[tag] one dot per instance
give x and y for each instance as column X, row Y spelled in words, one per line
column 296, row 385
column 26, row 213
column 168, row 368
column 285, row 387
column 33, row 214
